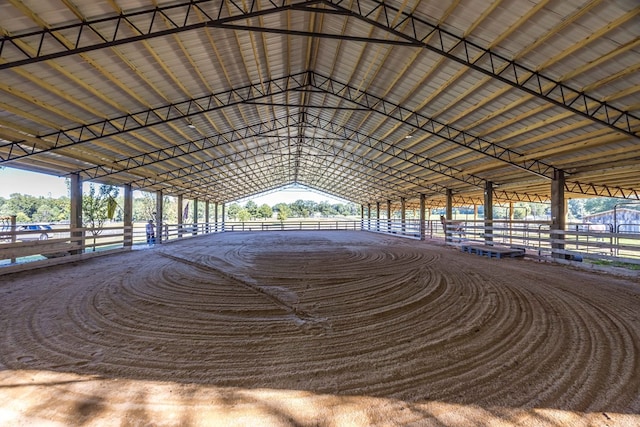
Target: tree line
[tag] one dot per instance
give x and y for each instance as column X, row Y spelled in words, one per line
column 99, row 204
column 96, row 203
column 298, row 209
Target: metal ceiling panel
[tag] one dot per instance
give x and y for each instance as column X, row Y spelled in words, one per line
column 324, row 99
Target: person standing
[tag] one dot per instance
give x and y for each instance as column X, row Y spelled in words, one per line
column 151, row 233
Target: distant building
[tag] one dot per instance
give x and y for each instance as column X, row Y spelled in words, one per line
column 625, row 221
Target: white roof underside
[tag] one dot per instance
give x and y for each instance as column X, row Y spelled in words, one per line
column 370, row 101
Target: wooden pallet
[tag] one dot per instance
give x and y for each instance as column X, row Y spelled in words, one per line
column 493, row 251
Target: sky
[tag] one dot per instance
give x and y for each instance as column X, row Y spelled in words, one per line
column 37, row 184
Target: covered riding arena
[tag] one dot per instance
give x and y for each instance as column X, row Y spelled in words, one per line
column 409, row 109
column 335, row 328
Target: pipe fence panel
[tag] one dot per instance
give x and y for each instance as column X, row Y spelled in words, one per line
column 579, row 241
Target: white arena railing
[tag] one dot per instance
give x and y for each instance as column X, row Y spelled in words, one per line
column 581, row 242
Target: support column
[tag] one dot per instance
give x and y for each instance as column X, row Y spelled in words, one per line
column 377, row 216
column 388, row 216
column 222, row 215
column 159, row 217
column 429, row 222
column 448, row 215
column 558, row 212
column 423, row 225
column 195, row 217
column 180, row 215
column 77, row 236
column 215, row 217
column 127, row 216
column 206, row 216
column 488, row 213
column 369, row 216
column 403, row 213
column 14, row 227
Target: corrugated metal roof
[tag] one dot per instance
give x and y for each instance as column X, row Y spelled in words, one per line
column 367, row 100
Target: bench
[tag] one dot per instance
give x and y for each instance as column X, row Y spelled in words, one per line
column 493, row 251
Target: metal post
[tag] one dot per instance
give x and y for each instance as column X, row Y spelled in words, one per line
column 76, row 214
column 423, row 230
column 159, row 216
column 488, row 213
column 128, row 216
column 558, row 221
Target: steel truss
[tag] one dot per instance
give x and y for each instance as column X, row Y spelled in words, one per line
column 345, row 133
column 112, row 31
column 294, row 82
column 416, row 31
column 154, row 116
column 387, row 148
column 430, row 36
column 190, row 147
column 454, row 135
column 266, row 175
column 343, row 174
column 437, row 128
column 94, row 34
column 272, row 150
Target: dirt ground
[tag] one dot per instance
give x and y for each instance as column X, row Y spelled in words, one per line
column 317, row 329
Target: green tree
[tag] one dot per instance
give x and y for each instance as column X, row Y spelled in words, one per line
column 576, row 208
column 46, row 212
column 232, row 211
column 144, row 207
column 95, row 206
column 283, row 211
column 244, row 215
column 22, row 204
column 325, row 209
column 521, row 210
column 601, row 204
column 252, row 208
column 265, row 211
column 22, row 217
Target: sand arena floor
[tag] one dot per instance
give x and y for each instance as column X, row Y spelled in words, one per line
column 317, row 329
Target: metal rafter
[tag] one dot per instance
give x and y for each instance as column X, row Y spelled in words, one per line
column 372, row 179
column 93, row 34
column 345, row 173
column 230, row 186
column 189, row 147
column 459, row 49
column 268, row 150
column 454, row 135
column 350, row 134
column 369, row 164
column 601, row 190
column 420, row 121
column 412, row 179
column 150, row 117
